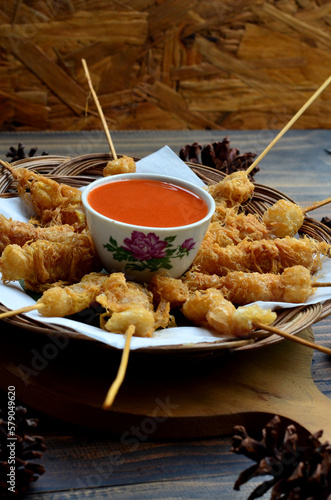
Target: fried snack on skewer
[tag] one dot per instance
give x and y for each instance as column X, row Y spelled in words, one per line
column 19, row 233
column 129, row 303
column 54, row 203
column 236, row 229
column 42, row 263
column 222, row 211
column 64, row 301
column 234, row 189
column 264, row 256
column 283, row 218
column 123, row 165
column 210, row 309
column 171, row 290
column 293, row 285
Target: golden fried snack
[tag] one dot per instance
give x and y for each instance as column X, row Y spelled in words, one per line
column 124, row 165
column 54, row 203
column 293, row 285
column 168, row 289
column 264, row 256
column 195, row 280
column 234, row 189
column 284, row 218
column 19, row 233
column 248, row 226
column 139, row 316
column 64, row 301
column 222, row 211
column 235, row 229
column 42, row 264
column 129, row 303
column 210, row 309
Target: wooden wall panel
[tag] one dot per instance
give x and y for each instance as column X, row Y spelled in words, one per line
column 164, row 64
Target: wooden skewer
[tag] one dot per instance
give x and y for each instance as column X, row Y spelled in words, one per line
column 289, row 125
column 25, row 309
column 315, row 205
column 299, row 340
column 97, row 103
column 113, row 390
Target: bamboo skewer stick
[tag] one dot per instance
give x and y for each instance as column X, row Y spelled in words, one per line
column 290, row 123
column 316, row 204
column 114, row 388
column 25, row 309
column 97, row 103
column 299, row 340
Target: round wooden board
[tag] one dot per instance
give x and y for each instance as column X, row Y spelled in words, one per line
column 163, row 396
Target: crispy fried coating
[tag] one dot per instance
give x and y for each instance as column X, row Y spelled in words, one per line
column 19, row 233
column 210, row 309
column 234, row 189
column 124, row 165
column 264, row 256
column 139, row 316
column 195, row 280
column 120, row 293
column 293, row 285
column 169, row 289
column 64, row 301
column 129, row 303
column 42, row 264
column 54, row 203
column 222, row 211
column 284, row 218
column 235, row 229
column 248, row 226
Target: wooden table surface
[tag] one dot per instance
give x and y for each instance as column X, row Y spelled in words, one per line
column 83, row 463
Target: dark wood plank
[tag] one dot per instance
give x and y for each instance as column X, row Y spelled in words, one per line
column 290, row 166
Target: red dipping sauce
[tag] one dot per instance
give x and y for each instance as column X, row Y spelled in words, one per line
column 144, row 202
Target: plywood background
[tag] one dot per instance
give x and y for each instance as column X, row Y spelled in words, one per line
column 164, row 64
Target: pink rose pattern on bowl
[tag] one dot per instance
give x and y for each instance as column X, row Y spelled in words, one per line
column 148, row 252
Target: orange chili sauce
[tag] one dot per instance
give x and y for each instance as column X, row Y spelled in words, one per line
column 145, row 202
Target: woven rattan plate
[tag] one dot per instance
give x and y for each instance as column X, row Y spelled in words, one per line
column 82, row 170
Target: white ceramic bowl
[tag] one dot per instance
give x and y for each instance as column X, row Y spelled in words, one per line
column 141, row 251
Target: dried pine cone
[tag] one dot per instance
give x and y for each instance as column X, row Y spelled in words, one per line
column 326, row 221
column 18, row 153
column 298, row 472
column 16, row 469
column 219, row 155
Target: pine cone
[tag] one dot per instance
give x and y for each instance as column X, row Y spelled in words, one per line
column 219, row 155
column 18, row 153
column 16, row 451
column 326, row 221
column 298, row 472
